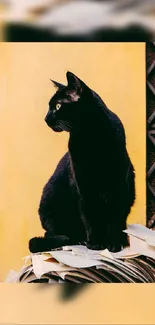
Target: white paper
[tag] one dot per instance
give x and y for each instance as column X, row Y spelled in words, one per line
column 127, row 252
column 76, row 16
column 139, row 231
column 75, row 261
column 88, row 253
column 19, row 10
column 151, row 240
column 40, row 266
column 43, row 256
column 141, row 247
column 78, row 248
column 14, row 276
column 99, row 254
column 80, row 17
column 29, row 4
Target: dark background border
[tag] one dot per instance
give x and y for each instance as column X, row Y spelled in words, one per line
column 150, row 132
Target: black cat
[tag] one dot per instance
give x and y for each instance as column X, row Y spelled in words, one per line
column 89, row 196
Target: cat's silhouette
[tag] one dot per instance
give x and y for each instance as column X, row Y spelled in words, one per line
column 88, row 198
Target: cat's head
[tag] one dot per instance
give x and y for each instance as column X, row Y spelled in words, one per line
column 66, row 106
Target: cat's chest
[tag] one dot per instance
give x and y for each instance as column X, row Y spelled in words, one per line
column 84, row 146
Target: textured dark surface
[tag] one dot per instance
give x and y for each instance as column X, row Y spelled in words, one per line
column 150, row 163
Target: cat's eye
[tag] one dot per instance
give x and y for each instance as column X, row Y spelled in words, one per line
column 58, row 106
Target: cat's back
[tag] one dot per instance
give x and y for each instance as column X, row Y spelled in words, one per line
column 109, row 122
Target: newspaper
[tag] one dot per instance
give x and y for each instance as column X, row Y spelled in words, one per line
column 79, row 264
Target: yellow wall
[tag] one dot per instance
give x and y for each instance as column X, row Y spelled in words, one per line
column 29, row 150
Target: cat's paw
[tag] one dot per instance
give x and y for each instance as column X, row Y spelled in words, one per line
column 95, row 246
column 33, row 245
column 114, row 248
column 125, row 239
column 117, row 241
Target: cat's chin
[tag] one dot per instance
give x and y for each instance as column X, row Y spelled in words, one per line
column 56, row 129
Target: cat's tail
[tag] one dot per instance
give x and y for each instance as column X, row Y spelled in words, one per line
column 44, row 244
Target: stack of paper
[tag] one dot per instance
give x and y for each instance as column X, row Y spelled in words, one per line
column 142, row 240
column 79, row 265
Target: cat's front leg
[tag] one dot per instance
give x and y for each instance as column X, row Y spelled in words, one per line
column 116, row 238
column 95, row 238
column 92, row 205
column 93, row 244
column 94, row 218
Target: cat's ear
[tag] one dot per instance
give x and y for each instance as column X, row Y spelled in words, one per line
column 74, row 83
column 57, row 84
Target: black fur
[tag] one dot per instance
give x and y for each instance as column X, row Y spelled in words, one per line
column 89, row 196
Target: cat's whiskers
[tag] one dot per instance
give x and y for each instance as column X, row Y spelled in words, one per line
column 65, row 125
column 58, row 127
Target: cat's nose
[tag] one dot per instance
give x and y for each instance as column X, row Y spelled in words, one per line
column 47, row 118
